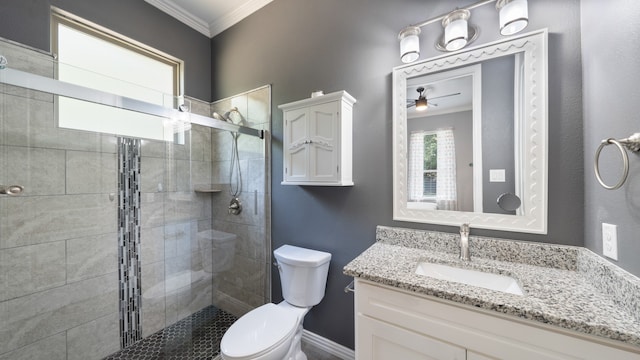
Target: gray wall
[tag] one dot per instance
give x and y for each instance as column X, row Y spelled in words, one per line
column 462, row 124
column 497, row 130
column 300, row 45
column 27, row 22
column 611, row 108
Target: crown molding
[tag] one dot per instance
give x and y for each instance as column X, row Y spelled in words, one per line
column 236, row 16
column 182, row 15
column 200, row 25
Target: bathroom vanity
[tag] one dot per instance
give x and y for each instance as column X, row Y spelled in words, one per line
column 575, row 305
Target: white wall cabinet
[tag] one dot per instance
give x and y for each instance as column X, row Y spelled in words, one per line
column 395, row 324
column 317, row 140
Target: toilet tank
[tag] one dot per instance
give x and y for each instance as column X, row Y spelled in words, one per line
column 303, row 274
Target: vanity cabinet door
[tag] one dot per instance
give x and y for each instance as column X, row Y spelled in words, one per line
column 377, row 340
column 399, row 315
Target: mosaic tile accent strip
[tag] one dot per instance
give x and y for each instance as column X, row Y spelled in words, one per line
column 193, row 338
column 129, row 240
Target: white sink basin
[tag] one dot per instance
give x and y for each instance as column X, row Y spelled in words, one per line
column 485, row 280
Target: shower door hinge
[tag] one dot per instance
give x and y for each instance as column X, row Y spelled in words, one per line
column 338, row 169
column 286, row 170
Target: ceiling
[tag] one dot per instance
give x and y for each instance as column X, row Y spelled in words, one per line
column 442, row 94
column 209, row 17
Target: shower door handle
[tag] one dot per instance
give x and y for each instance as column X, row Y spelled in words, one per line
column 11, row 190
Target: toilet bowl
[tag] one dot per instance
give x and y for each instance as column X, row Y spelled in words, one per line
column 274, row 332
column 265, row 333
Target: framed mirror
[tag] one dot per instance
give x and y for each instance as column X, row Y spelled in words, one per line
column 470, row 137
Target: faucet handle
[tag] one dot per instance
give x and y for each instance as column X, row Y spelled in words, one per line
column 464, row 229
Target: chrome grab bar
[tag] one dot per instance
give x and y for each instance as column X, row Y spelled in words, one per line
column 632, row 143
column 11, row 190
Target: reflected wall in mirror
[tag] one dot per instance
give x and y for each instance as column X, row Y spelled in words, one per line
column 468, row 128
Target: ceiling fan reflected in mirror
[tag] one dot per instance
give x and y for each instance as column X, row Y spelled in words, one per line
column 422, row 103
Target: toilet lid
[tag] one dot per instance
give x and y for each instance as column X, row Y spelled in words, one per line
column 258, row 331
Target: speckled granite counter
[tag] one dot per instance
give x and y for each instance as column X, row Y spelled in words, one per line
column 565, row 286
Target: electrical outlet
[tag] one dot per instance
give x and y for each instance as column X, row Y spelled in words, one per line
column 610, row 241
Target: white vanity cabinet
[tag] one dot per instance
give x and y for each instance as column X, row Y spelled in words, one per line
column 395, row 324
column 317, row 140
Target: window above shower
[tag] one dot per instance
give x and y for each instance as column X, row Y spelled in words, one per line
column 94, row 57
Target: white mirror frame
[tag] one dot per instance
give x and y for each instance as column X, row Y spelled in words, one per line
column 534, row 45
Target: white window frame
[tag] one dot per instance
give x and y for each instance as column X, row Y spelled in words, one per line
column 173, row 100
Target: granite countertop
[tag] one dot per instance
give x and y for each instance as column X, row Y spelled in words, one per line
column 565, row 286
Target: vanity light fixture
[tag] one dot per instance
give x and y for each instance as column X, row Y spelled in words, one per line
column 409, row 44
column 458, row 33
column 514, row 16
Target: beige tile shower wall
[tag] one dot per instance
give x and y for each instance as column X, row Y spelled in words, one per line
column 246, row 284
column 58, row 241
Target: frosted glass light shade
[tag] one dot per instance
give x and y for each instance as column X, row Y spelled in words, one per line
column 514, row 16
column 456, row 29
column 409, row 44
column 456, row 35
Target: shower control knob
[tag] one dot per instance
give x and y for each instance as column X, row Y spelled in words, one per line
column 235, row 206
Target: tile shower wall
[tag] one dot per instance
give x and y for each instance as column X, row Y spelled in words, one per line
column 59, row 240
column 246, row 285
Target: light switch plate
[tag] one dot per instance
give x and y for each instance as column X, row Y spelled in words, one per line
column 497, row 175
column 610, row 241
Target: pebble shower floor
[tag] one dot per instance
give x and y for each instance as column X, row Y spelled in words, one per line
column 196, row 337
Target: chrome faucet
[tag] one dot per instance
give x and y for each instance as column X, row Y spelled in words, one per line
column 464, row 242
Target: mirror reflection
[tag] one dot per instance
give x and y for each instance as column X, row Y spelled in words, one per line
column 462, row 146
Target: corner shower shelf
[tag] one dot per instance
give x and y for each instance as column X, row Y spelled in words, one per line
column 209, row 188
column 207, row 191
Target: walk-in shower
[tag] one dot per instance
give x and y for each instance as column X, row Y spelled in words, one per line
column 112, row 238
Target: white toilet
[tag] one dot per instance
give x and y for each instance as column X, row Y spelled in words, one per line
column 273, row 332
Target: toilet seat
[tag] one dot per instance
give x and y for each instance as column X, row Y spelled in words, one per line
column 258, row 332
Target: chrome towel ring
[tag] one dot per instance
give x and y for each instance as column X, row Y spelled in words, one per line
column 632, row 143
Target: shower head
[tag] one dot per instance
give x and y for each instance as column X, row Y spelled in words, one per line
column 225, row 117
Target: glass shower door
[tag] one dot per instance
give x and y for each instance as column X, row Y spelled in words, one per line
column 118, row 237
column 58, row 239
column 83, row 249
